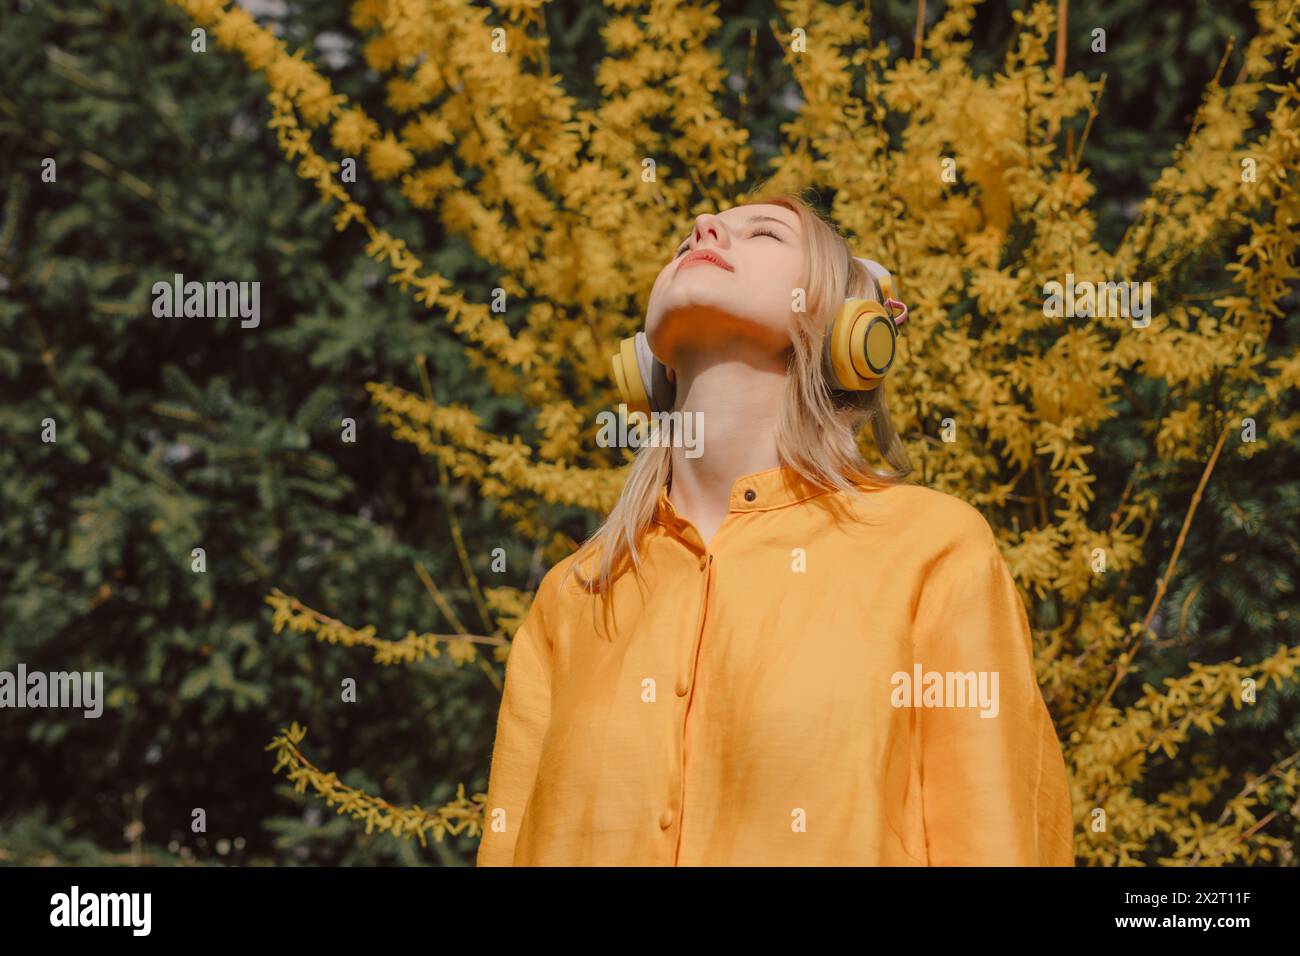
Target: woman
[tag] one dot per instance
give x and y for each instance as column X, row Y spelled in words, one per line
column 798, row 660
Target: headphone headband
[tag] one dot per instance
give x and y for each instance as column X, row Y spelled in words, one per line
column 888, row 289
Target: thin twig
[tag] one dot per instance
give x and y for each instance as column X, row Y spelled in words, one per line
column 459, row 540
column 1062, row 21
column 451, row 615
column 1125, row 658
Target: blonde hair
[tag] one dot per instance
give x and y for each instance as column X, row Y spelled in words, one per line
column 816, row 431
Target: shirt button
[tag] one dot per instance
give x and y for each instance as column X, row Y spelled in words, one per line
column 750, row 494
column 703, row 561
column 665, row 819
column 682, row 687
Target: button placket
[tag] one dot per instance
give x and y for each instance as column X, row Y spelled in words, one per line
column 686, row 687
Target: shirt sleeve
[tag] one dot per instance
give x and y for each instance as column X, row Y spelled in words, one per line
column 994, row 789
column 522, row 723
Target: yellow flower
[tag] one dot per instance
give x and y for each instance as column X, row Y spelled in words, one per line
column 387, row 157
column 353, row 131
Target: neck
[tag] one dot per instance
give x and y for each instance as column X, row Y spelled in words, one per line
column 738, row 407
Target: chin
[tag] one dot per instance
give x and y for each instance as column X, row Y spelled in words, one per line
column 706, row 294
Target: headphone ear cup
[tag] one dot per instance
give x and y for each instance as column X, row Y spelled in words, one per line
column 644, row 383
column 859, row 347
column 879, row 346
column 627, row 376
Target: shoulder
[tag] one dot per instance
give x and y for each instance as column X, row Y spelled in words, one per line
column 964, row 595
column 939, row 523
column 562, row 582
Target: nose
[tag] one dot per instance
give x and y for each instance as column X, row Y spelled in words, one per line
column 707, row 224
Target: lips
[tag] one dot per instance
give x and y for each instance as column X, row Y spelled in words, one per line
column 705, row 255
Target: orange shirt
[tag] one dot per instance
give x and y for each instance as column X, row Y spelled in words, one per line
column 771, row 699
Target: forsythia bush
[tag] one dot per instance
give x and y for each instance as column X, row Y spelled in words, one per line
column 973, row 190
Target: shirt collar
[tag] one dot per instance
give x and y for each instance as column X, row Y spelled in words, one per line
column 777, row 487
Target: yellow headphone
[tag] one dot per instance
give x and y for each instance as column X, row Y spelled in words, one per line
column 859, row 350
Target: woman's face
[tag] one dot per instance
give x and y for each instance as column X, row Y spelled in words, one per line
column 728, row 289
